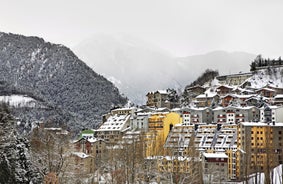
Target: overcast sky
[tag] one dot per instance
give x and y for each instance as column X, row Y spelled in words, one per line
column 184, row 27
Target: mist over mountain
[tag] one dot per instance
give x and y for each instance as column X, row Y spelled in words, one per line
column 55, row 75
column 137, row 67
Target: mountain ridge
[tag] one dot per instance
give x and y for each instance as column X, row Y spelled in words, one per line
column 137, row 70
column 54, row 72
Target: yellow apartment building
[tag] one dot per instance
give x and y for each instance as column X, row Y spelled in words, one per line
column 159, row 126
column 260, row 147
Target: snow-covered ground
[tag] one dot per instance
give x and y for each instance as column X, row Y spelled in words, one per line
column 18, row 101
column 265, row 77
column 275, row 175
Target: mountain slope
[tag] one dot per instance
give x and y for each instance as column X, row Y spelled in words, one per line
column 56, row 75
column 137, row 67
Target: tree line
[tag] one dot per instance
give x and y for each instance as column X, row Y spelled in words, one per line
column 260, row 62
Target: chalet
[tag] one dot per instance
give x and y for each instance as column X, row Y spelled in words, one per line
column 196, row 90
column 224, row 90
column 266, row 92
column 207, row 100
column 256, row 100
column 242, row 91
column 278, row 90
column 91, row 146
column 227, row 99
column 235, row 99
column 192, row 92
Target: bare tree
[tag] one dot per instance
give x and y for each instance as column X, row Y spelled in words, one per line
column 50, row 151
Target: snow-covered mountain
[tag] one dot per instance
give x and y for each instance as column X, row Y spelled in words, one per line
column 134, row 66
column 137, row 67
column 55, row 75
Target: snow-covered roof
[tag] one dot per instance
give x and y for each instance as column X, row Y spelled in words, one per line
column 124, row 109
column 242, row 90
column 266, row 89
column 179, row 158
column 114, row 123
column 207, row 95
column 238, row 96
column 278, row 96
column 226, row 86
column 215, row 155
column 261, row 124
column 164, row 92
column 234, row 107
column 199, row 108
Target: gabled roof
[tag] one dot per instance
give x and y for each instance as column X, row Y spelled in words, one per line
column 234, row 107
column 225, row 86
column 194, row 87
column 238, row 96
column 207, row 95
column 266, row 89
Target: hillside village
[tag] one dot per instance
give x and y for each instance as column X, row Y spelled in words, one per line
column 228, row 130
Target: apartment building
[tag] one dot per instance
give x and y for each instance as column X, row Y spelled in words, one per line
column 260, row 148
column 234, row 115
column 206, row 139
column 271, row 114
column 196, row 115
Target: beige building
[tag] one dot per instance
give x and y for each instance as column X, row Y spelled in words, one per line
column 260, row 148
column 113, row 128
